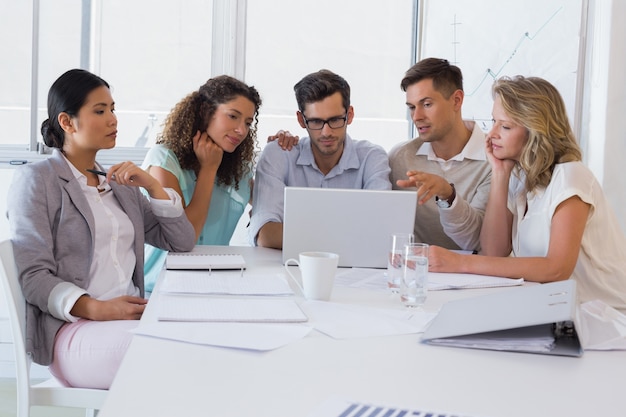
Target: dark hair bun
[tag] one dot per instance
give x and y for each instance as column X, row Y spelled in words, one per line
column 51, row 137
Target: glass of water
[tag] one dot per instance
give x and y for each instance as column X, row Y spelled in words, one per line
column 395, row 260
column 413, row 286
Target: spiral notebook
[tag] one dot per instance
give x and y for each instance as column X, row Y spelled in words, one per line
column 201, row 257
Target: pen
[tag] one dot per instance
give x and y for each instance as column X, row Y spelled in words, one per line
column 95, row 171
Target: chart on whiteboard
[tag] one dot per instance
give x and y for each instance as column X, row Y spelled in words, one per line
column 494, row 38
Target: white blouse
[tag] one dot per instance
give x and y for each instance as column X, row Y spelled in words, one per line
column 600, row 271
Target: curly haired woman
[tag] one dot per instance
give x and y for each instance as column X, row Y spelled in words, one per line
column 205, row 153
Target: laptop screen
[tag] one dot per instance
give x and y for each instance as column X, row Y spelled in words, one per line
column 356, row 224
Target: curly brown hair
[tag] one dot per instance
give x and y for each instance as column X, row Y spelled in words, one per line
column 193, row 114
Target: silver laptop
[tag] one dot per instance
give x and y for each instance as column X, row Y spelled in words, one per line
column 356, row 224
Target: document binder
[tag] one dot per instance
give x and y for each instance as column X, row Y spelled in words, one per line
column 519, row 320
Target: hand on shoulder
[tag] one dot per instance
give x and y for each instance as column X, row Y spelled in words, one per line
column 284, row 139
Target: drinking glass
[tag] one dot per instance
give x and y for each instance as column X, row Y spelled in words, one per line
column 395, row 263
column 413, row 286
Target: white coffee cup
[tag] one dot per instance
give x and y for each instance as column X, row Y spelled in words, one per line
column 318, row 271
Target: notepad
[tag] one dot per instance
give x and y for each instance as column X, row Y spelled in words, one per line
column 192, row 308
column 197, row 259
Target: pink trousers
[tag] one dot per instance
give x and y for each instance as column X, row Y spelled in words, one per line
column 88, row 353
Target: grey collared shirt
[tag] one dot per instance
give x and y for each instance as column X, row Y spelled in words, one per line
column 363, row 165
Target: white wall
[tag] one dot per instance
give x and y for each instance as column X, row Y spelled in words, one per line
column 606, row 126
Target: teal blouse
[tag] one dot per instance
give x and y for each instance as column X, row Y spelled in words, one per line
column 227, row 206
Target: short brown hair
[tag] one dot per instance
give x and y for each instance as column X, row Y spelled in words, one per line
column 319, row 85
column 446, row 78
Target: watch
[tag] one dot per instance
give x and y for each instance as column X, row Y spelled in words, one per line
column 446, row 203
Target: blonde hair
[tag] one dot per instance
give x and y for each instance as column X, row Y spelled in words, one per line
column 535, row 104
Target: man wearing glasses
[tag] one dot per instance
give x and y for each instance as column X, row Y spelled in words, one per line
column 327, row 158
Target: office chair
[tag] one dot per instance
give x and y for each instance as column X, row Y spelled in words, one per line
column 50, row 392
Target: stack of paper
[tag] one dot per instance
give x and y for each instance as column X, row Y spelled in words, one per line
column 448, row 281
column 376, row 279
column 534, row 339
column 224, row 282
column 189, row 308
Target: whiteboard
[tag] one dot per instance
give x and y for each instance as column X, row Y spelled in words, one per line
column 488, row 39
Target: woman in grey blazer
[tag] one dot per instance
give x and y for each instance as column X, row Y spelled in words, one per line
column 78, row 236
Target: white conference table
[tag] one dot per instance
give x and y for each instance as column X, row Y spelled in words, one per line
column 169, row 378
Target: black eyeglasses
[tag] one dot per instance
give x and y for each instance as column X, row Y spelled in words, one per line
column 333, row 122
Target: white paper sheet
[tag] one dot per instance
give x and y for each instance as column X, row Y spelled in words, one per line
column 376, row 279
column 601, row 327
column 448, row 281
column 212, row 309
column 257, row 336
column 362, row 278
column 342, row 321
column 224, row 282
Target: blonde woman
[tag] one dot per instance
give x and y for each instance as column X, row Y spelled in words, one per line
column 545, row 208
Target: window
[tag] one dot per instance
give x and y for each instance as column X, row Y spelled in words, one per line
column 15, row 84
column 154, row 53
column 544, row 40
column 367, row 43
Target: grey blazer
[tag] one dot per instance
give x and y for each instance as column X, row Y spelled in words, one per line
column 52, row 230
